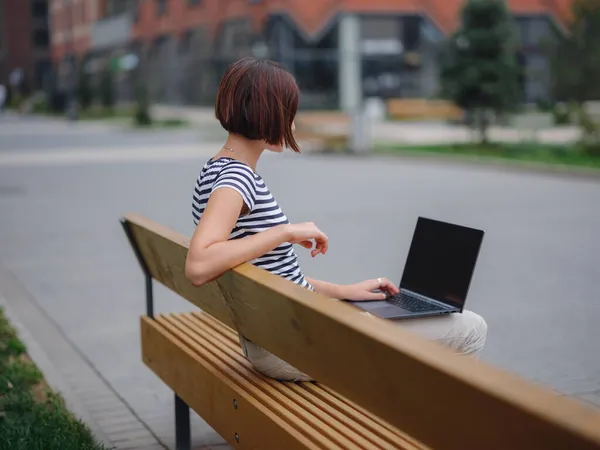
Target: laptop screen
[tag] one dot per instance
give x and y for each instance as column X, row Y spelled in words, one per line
column 441, row 261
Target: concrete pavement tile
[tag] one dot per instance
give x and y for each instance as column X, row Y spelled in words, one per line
column 129, row 435
column 541, row 239
column 137, row 443
column 152, row 447
column 121, row 427
column 107, row 421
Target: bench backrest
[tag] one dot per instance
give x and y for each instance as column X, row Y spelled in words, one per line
column 419, row 108
column 443, row 400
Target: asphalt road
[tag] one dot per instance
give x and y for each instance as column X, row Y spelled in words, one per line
column 536, row 282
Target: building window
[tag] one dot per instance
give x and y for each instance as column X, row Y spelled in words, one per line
column 41, row 39
column 161, row 7
column 383, row 46
column 43, row 69
column 412, row 33
column 115, row 7
column 39, row 9
column 194, row 2
column 534, row 32
column 134, row 9
column 185, row 42
column 314, row 63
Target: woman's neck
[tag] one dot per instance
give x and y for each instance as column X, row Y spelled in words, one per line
column 242, row 149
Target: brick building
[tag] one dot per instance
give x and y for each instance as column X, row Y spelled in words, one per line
column 383, row 48
column 71, row 22
column 24, row 40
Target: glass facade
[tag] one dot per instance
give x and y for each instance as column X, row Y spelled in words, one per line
column 382, row 48
column 536, row 34
column 314, row 62
column 398, row 56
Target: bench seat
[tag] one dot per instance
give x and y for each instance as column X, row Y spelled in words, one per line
column 201, row 359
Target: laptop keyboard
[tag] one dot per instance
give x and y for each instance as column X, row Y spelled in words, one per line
column 412, row 304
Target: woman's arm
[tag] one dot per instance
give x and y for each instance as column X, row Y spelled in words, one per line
column 211, row 253
column 358, row 291
column 329, row 289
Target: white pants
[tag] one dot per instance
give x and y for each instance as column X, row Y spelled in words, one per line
column 464, row 333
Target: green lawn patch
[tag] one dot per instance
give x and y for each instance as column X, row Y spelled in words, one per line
column 165, row 123
column 119, row 114
column 32, row 417
column 519, row 152
column 106, row 114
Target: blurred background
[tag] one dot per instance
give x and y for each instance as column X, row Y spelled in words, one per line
column 384, row 60
column 479, row 112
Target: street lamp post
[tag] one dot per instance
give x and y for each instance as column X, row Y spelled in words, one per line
column 72, row 74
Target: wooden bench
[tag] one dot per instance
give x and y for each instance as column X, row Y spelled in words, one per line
column 328, row 131
column 380, row 387
column 423, row 109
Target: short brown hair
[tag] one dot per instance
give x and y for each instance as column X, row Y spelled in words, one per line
column 258, row 99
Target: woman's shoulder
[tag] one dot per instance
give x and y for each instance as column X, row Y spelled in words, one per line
column 230, row 165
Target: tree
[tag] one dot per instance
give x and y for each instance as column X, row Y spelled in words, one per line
column 107, row 96
column 85, row 93
column 575, row 61
column 480, row 71
column 142, row 111
column 575, row 69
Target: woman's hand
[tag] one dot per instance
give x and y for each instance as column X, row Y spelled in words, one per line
column 304, row 234
column 364, row 290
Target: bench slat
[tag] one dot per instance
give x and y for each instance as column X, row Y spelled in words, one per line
column 360, row 421
column 198, row 334
column 346, row 420
column 271, row 402
column 278, row 392
column 202, row 386
column 409, row 382
column 359, row 415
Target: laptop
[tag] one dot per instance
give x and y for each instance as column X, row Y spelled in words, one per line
column 437, row 274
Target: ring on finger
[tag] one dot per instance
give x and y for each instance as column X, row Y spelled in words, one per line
column 380, row 281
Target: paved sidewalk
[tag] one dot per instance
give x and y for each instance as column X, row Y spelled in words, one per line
column 404, row 133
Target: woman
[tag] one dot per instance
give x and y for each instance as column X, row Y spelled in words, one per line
column 238, row 220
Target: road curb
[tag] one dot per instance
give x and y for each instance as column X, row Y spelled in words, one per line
column 497, row 164
column 488, row 163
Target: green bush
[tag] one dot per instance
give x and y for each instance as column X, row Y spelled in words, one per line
column 142, row 111
column 544, row 105
column 85, row 93
column 561, row 114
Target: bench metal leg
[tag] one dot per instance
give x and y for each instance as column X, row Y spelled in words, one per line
column 183, row 437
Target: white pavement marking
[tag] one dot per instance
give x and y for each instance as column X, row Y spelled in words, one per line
column 107, row 156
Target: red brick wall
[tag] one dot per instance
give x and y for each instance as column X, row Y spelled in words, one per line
column 17, row 38
column 80, row 47
column 311, row 15
column 76, row 18
column 181, row 16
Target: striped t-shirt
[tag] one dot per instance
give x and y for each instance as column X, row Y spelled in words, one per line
column 263, row 212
